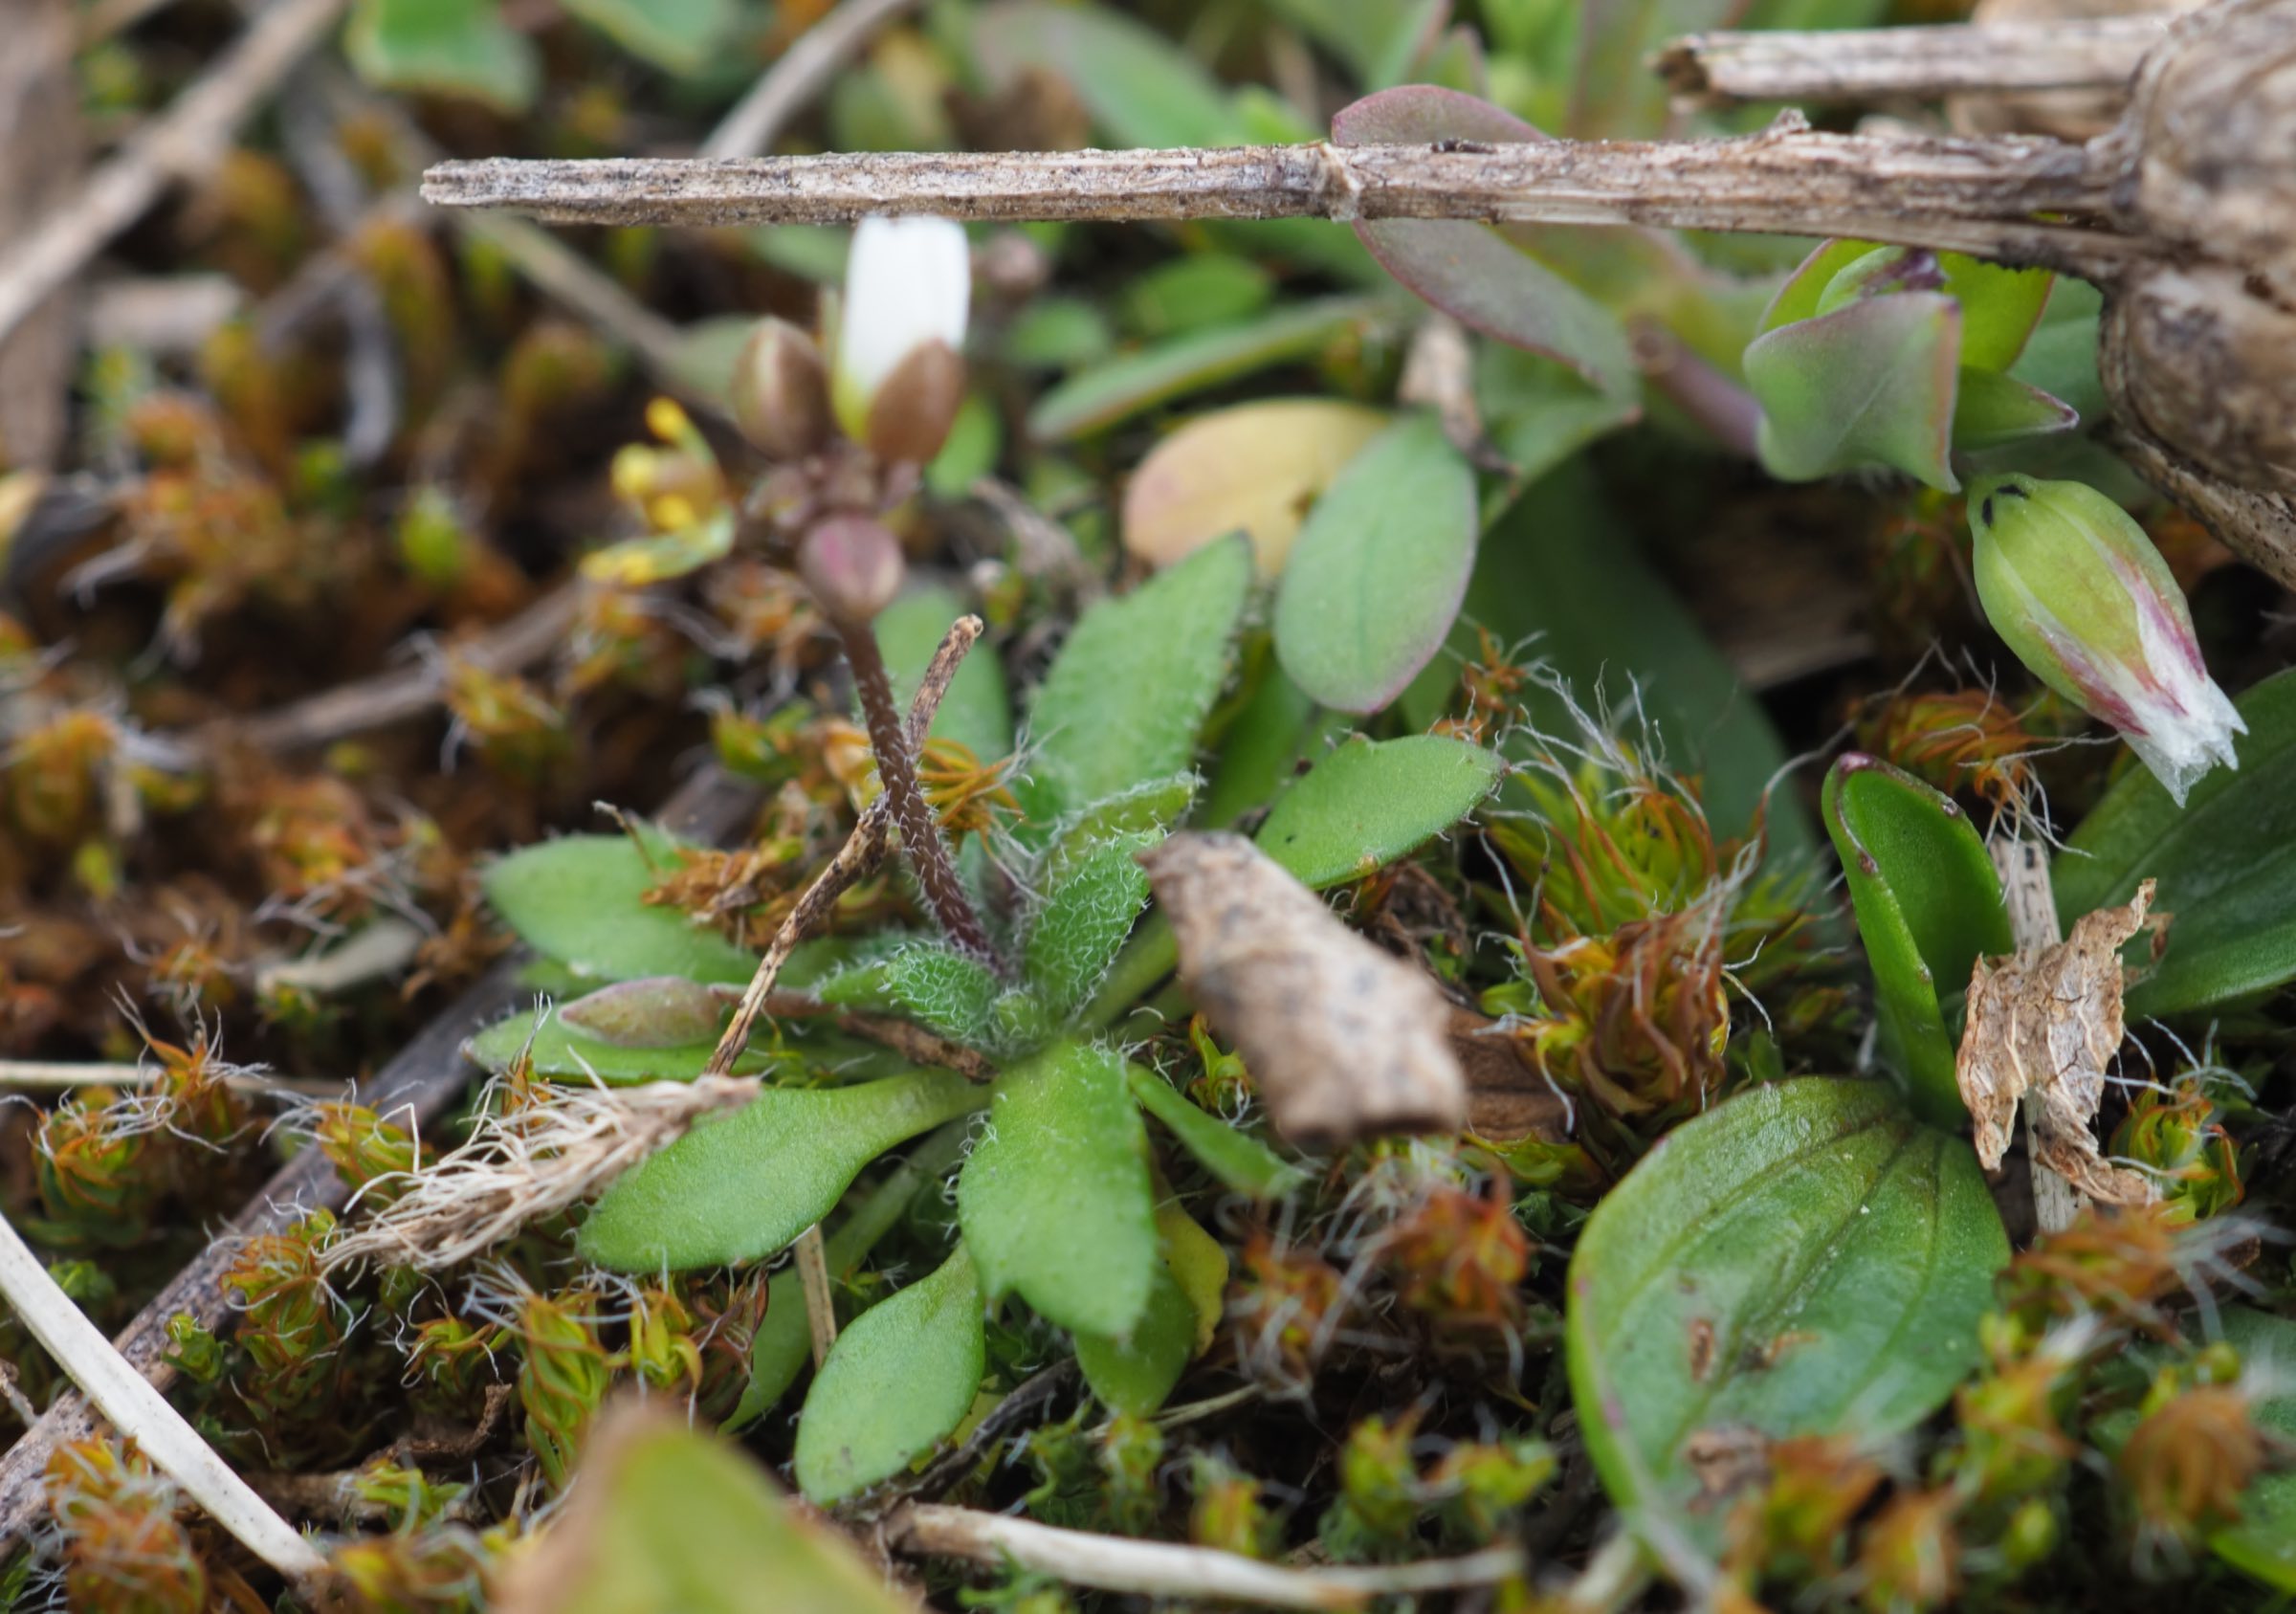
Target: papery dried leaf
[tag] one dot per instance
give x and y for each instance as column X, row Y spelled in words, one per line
column 1344, row 1040
column 2049, row 1022
column 1508, row 1099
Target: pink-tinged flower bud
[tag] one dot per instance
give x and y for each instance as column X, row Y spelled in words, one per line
column 2080, row 593
column 908, row 288
column 780, row 392
column 853, row 566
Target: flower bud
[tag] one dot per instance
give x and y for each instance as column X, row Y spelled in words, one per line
column 780, row 392
column 853, row 566
column 2078, row 592
column 908, row 288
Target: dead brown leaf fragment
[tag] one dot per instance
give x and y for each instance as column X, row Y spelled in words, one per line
column 1345, row 1041
column 2048, row 1022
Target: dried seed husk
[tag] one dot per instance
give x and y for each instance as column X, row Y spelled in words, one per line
column 2211, row 129
column 1344, row 1041
column 2202, row 360
column 2049, row 1022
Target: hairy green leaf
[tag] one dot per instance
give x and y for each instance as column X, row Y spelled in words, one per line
column 929, row 981
column 1125, row 701
column 1055, row 1201
column 1085, row 919
column 742, row 1189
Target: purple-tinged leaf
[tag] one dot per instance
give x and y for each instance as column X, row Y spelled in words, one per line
column 1470, row 271
column 1376, row 576
column 656, row 1011
column 1995, row 409
column 1798, row 299
column 1873, row 383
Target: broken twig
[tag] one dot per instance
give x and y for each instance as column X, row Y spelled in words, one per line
column 1968, row 195
column 1864, row 65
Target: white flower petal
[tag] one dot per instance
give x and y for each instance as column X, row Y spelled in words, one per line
column 908, row 282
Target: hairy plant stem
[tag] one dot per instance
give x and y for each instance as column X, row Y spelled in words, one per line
column 921, row 844
column 861, row 853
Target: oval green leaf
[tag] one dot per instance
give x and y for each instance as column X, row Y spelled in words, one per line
column 743, row 1188
column 897, row 1380
column 581, row 899
column 1377, row 572
column 1055, row 1201
column 1929, row 905
column 1134, row 1374
column 1806, row 1259
column 2226, row 864
column 785, row 1339
column 1370, row 802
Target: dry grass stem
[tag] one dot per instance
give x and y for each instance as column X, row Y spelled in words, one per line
column 2032, row 904
column 143, row 1415
column 558, row 1147
column 1159, row 1569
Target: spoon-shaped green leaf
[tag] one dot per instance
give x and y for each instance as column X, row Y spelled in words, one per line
column 1928, row 906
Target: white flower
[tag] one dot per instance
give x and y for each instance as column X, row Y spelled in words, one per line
column 907, row 283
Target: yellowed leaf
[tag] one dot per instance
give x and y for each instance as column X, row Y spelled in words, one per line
column 1255, row 468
